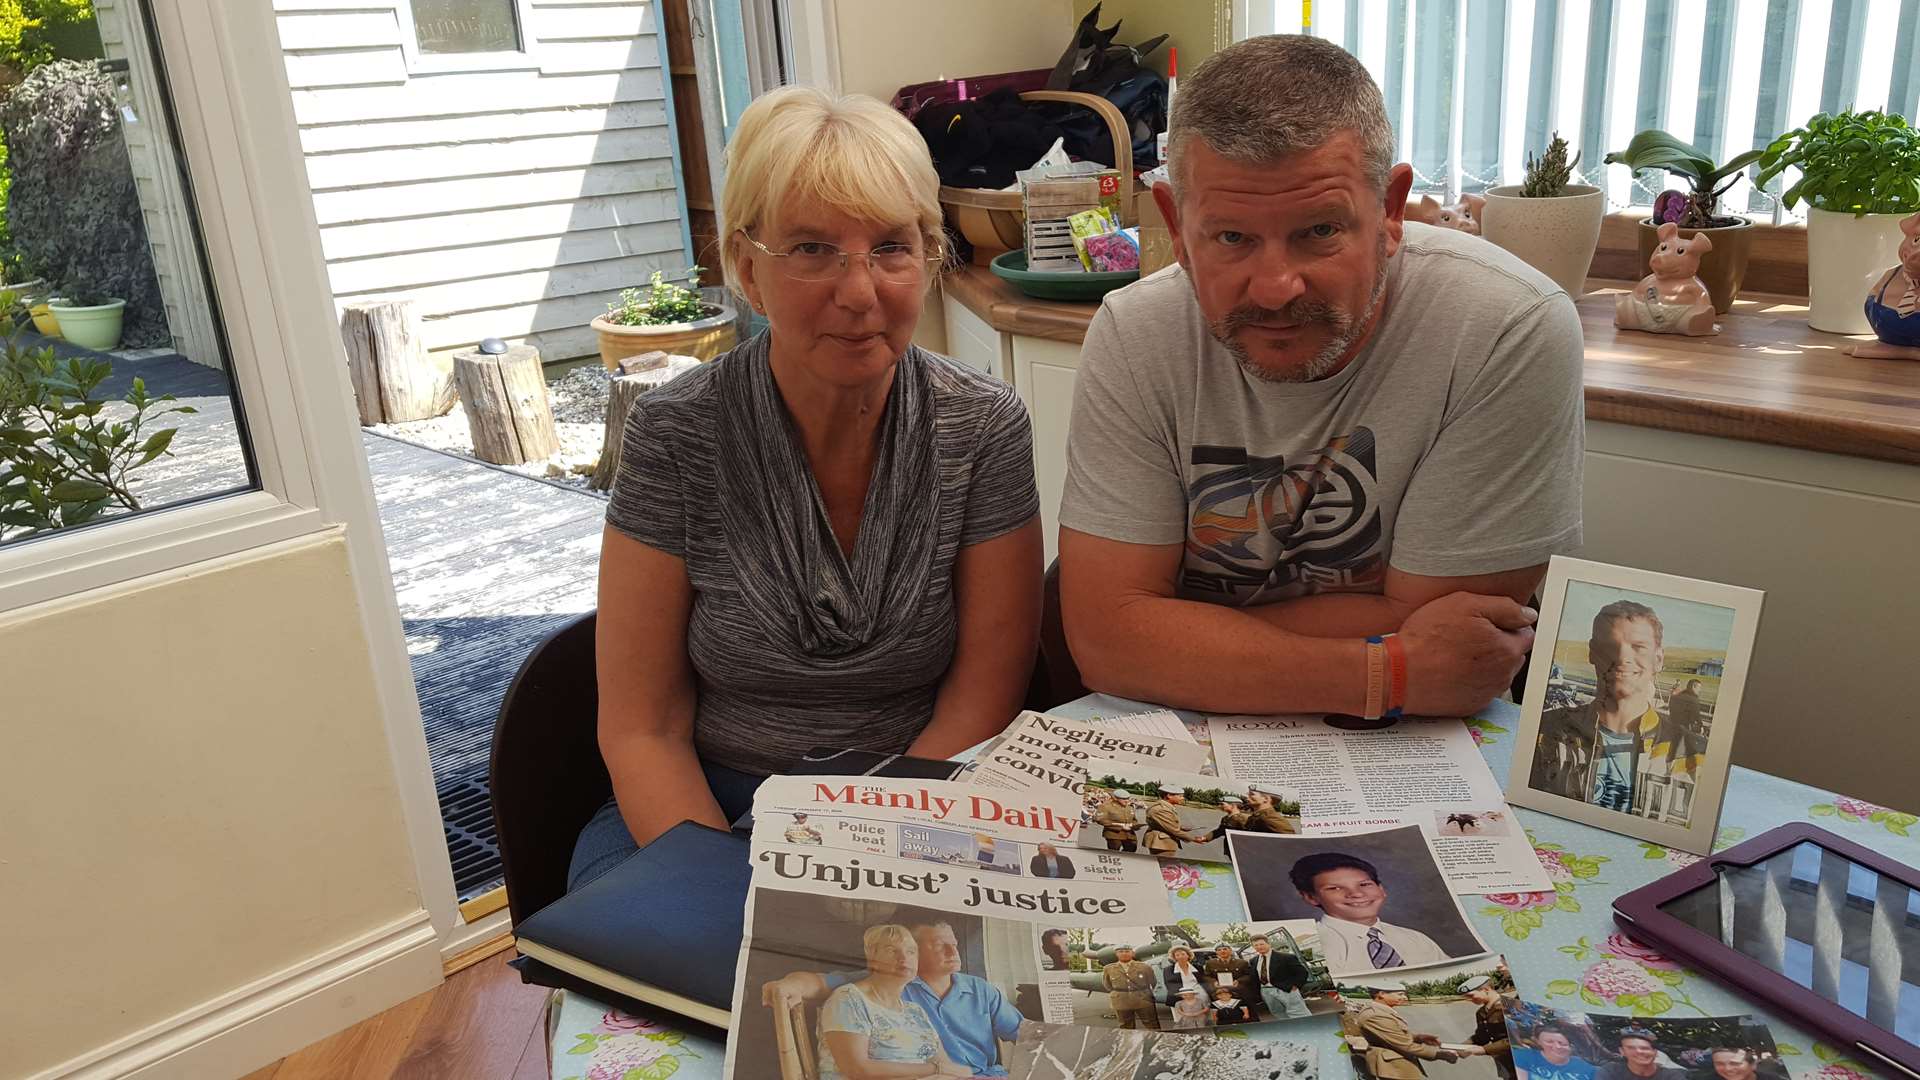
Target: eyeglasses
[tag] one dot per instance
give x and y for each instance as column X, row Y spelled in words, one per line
column 815, row 260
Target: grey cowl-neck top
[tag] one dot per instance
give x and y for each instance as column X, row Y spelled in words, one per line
column 795, row 645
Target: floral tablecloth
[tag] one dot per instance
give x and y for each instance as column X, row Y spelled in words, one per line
column 1562, row 946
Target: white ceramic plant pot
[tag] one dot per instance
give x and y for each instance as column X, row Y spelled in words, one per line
column 1844, row 253
column 1555, row 236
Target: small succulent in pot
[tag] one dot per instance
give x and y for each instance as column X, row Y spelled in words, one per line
column 1695, row 209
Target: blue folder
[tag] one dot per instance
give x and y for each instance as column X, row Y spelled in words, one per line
column 662, row 928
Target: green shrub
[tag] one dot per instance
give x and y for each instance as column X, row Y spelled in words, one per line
column 61, row 463
column 662, row 303
column 73, row 205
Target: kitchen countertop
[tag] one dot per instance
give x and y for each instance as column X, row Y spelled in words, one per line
column 1766, row 377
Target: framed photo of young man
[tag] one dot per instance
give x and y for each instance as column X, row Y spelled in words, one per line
column 1631, row 700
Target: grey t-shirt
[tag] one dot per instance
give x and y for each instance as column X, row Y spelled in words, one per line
column 1451, row 446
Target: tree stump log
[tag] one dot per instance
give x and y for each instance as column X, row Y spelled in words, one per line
column 622, row 392
column 393, row 377
column 506, row 403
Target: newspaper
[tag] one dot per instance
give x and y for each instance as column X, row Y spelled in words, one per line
column 876, row 892
column 1421, row 772
column 1050, row 752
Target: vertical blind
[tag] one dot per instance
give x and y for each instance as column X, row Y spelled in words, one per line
column 1474, row 86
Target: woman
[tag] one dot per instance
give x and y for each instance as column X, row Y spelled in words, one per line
column 826, row 537
column 1181, row 972
column 868, row 1030
column 1053, row 944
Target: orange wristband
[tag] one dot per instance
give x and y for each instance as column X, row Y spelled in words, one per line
column 1396, row 675
column 1376, row 678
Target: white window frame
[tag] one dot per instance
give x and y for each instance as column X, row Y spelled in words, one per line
column 248, row 183
column 426, row 63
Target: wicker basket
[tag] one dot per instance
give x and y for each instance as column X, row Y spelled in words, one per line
column 992, row 221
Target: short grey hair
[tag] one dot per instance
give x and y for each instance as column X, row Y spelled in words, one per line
column 1267, row 97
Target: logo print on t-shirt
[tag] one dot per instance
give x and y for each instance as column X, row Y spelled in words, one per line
column 1261, row 529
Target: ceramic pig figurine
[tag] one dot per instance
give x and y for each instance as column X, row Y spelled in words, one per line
column 1463, row 215
column 1672, row 299
column 1893, row 303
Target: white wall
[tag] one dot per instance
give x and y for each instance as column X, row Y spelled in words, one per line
column 886, row 44
column 201, row 813
column 511, row 203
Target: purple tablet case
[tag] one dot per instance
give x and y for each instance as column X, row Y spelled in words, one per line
column 1640, row 913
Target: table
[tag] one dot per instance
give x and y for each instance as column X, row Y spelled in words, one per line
column 1562, row 946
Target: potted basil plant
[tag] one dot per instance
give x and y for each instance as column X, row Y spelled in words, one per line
column 1696, row 210
column 1553, row 225
column 665, row 317
column 1859, row 175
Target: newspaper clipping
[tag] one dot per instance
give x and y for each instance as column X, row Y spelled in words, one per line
column 1427, row 773
column 1050, row 752
column 873, row 900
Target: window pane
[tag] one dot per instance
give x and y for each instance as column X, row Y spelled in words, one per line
column 466, row 26
column 115, row 396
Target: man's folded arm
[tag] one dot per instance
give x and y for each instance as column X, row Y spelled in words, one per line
column 1132, row 637
column 1366, row 614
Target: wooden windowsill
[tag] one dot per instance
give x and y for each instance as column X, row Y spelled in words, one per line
column 1765, row 378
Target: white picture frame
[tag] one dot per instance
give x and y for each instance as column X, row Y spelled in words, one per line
column 1678, row 771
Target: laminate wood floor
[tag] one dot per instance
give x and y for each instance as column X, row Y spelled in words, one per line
column 481, row 1024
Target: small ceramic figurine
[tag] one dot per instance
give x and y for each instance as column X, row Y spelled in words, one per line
column 1672, row 299
column 1893, row 303
column 1463, row 215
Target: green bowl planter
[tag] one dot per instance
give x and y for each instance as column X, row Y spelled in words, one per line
column 96, row 327
column 1011, row 267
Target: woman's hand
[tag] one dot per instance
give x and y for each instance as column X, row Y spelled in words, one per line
column 647, row 692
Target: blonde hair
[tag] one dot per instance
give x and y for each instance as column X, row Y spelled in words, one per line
column 886, row 934
column 852, row 154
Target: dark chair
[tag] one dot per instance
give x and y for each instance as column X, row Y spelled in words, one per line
column 1056, row 678
column 545, row 771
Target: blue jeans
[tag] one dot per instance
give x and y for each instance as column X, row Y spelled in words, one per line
column 605, row 842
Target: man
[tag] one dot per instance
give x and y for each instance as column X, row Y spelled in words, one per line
column 1129, row 986
column 1235, row 816
column 1115, row 818
column 1353, row 937
column 1490, row 1023
column 1047, row 862
column 1325, row 424
column 1683, row 708
column 1165, row 833
column 802, row 833
column 1263, row 814
column 1226, row 969
column 1739, row 1063
column 1551, row 1058
column 969, row 1013
column 1389, row 1048
column 1639, row 1060
column 1281, row 978
column 1604, row 751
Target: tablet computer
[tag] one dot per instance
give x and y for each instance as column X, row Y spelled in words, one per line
column 1822, row 930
